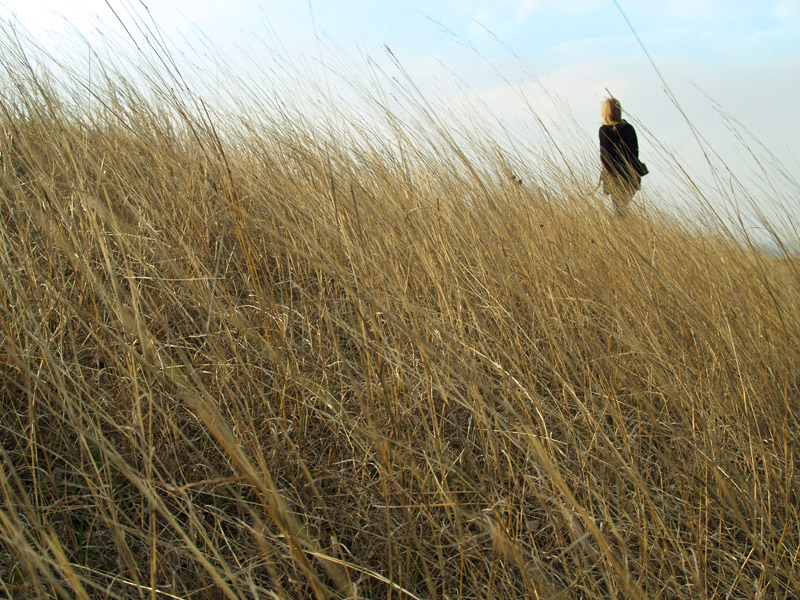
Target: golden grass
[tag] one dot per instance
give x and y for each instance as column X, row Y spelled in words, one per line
column 259, row 360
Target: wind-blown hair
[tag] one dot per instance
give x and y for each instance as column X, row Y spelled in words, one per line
column 611, row 111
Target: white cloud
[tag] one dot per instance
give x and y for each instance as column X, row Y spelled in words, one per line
column 696, row 9
column 518, row 12
column 569, row 98
column 786, row 9
column 40, row 16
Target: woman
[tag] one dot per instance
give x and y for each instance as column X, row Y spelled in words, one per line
column 619, row 155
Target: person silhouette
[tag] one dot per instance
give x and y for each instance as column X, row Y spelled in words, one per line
column 621, row 174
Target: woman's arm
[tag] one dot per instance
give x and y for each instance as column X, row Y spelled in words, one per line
column 606, row 151
column 631, row 141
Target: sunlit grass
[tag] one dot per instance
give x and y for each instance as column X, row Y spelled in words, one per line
column 260, row 356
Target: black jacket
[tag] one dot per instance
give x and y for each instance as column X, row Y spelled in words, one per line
column 619, row 150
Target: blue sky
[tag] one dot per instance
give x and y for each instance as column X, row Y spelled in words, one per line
column 743, row 55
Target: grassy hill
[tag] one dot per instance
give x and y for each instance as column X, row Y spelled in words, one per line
column 251, row 357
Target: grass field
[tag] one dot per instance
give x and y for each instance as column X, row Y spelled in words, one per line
column 248, row 356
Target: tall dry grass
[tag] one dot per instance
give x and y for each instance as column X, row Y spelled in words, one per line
column 251, row 356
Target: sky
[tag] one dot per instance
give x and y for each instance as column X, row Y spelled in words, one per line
column 676, row 65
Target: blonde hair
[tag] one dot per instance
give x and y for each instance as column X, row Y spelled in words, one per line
column 611, row 111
